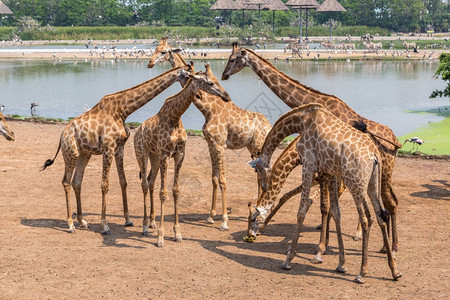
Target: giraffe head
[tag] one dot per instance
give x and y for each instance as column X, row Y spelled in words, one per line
column 163, row 52
column 236, row 62
column 5, row 130
column 256, row 217
column 206, row 81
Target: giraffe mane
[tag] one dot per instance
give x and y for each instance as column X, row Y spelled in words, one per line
column 297, row 110
column 287, row 77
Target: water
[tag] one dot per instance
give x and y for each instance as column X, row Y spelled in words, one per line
column 382, row 91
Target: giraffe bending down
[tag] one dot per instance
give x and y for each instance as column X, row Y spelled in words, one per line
column 226, row 126
column 295, row 94
column 162, row 137
column 334, row 149
column 262, row 213
column 102, row 131
column 5, row 130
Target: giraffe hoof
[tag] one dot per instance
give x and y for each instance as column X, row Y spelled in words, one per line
column 153, row 225
column 317, row 260
column 359, row 279
column 210, row 220
column 285, row 266
column 178, row 239
column 397, row 276
column 224, row 227
column 319, row 227
column 145, row 232
column 341, row 269
column 106, row 232
column 160, row 243
column 357, row 238
column 129, row 224
column 84, row 224
column 71, row 230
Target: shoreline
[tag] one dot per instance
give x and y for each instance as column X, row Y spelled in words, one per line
column 57, row 54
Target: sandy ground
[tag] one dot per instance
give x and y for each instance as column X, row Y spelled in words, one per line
column 39, row 259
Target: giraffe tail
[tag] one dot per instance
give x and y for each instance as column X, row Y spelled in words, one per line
column 49, row 161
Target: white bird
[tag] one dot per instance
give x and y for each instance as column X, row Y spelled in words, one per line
column 416, row 142
column 2, row 107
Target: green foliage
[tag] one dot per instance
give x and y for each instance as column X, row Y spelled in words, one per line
column 443, row 71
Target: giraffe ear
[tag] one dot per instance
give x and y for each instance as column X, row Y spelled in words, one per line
column 242, row 52
column 235, row 46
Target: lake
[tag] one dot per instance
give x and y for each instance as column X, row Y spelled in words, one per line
column 385, row 92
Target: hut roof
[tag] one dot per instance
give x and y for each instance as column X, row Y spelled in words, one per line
column 4, row 10
column 224, row 5
column 331, row 5
column 303, row 3
column 261, row 4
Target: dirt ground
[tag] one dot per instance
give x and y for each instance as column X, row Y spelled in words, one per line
column 39, row 259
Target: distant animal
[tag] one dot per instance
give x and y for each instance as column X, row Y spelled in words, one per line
column 2, row 107
column 416, row 142
column 33, row 108
column 409, row 45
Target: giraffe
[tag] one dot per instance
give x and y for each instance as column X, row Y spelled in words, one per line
column 333, row 149
column 226, row 126
column 162, row 137
column 5, row 130
column 102, row 131
column 295, row 94
column 262, row 213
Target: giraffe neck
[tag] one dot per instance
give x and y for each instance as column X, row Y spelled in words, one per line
column 290, row 123
column 281, row 169
column 174, row 107
column 289, row 90
column 128, row 101
column 178, row 61
column 295, row 94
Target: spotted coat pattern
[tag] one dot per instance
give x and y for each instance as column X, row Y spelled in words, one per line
column 295, row 94
column 226, row 126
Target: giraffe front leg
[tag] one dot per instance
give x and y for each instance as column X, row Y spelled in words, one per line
column 107, row 159
column 223, row 188
column 69, row 167
column 162, row 196
column 123, row 184
column 325, row 210
column 179, row 157
column 214, row 180
column 305, row 203
column 154, row 160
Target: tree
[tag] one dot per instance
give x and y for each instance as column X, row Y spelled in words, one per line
column 443, row 71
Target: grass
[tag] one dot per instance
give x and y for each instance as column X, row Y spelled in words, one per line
column 436, row 136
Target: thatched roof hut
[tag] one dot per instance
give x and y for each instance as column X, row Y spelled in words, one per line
column 331, row 5
column 224, row 5
column 4, row 10
column 308, row 4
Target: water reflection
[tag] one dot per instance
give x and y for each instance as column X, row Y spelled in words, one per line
column 381, row 91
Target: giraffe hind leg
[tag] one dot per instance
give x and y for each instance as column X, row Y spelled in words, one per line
column 123, row 185
column 77, row 179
